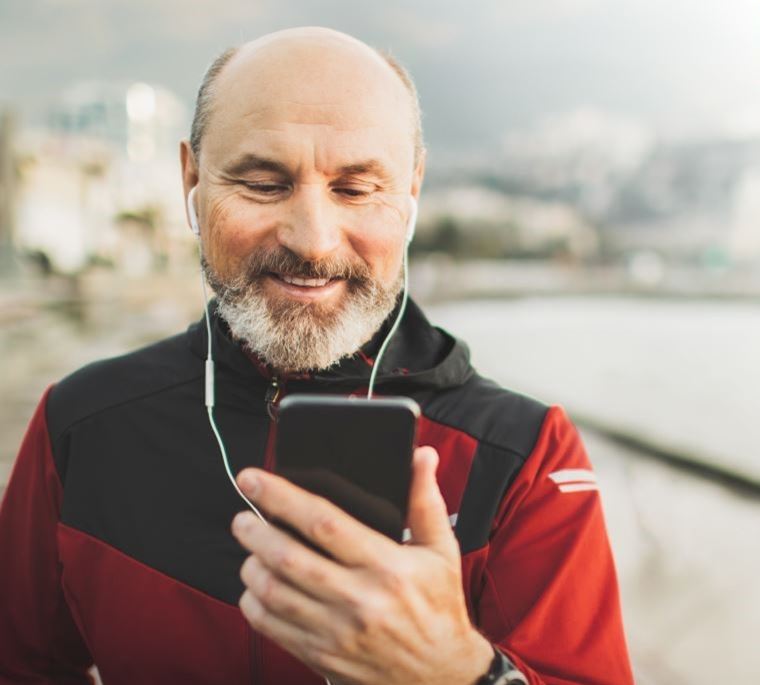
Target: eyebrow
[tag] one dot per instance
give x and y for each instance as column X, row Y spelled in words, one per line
column 250, row 162
column 370, row 166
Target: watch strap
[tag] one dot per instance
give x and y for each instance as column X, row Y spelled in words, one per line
column 502, row 672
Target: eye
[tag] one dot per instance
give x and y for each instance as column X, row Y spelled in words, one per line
column 266, row 188
column 351, row 192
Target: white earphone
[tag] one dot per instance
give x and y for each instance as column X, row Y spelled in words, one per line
column 411, row 225
column 194, row 227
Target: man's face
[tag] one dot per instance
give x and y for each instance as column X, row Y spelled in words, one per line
column 305, row 174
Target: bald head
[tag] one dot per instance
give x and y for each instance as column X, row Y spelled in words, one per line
column 291, row 65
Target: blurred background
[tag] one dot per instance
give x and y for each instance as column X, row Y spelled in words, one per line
column 590, row 224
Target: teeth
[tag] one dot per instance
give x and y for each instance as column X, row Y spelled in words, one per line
column 305, row 282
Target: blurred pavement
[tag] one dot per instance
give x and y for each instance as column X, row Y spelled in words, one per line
column 689, row 562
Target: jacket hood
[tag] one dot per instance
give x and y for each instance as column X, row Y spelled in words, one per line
column 420, row 356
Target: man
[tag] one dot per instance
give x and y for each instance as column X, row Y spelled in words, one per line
column 115, row 529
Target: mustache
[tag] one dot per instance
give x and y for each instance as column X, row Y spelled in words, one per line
column 286, row 262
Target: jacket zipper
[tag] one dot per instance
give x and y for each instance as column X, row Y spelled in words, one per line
column 272, row 396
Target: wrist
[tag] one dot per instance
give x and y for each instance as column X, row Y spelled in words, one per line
column 479, row 659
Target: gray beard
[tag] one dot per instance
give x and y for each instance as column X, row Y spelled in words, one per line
column 298, row 336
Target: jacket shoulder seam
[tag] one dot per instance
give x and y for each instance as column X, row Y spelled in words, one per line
column 121, row 403
column 483, row 441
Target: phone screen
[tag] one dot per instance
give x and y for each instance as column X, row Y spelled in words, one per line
column 355, row 452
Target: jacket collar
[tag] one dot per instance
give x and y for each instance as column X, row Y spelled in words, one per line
column 420, row 356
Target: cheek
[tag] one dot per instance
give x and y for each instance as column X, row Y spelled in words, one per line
column 380, row 243
column 383, row 254
column 234, row 230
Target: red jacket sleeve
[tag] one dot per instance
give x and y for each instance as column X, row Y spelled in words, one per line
column 550, row 599
column 39, row 642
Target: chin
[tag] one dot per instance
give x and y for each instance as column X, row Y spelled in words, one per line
column 295, row 335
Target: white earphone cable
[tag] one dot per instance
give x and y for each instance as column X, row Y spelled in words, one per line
column 394, row 328
column 209, row 400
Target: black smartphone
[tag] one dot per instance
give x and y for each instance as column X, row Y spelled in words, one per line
column 355, row 452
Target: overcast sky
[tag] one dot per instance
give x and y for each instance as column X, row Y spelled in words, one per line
column 482, row 67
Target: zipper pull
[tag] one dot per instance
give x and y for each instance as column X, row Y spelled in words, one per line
column 272, row 396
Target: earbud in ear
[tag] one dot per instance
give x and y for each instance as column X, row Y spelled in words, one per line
column 194, row 227
column 412, row 223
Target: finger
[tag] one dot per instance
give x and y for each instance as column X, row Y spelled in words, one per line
column 314, row 648
column 317, row 519
column 308, row 571
column 284, row 600
column 282, row 632
column 428, row 517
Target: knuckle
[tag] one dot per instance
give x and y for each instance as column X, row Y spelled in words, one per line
column 371, row 615
column 251, row 608
column 248, row 570
column 313, row 643
column 396, row 575
column 323, row 660
column 287, row 560
column 325, row 526
column 318, row 575
column 393, row 579
column 266, row 588
column 344, row 642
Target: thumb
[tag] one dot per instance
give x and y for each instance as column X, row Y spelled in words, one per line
column 428, row 518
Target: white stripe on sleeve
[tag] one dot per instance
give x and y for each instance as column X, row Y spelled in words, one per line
column 573, row 476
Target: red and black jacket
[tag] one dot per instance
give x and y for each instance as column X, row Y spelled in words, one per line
column 115, row 544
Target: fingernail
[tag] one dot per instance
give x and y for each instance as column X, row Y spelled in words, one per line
column 243, row 521
column 250, row 482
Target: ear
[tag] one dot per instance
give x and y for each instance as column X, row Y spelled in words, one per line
column 418, row 175
column 189, row 167
column 189, row 182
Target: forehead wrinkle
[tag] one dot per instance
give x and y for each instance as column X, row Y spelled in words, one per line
column 313, row 136
column 332, row 115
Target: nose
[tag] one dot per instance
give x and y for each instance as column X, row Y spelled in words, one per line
column 311, row 230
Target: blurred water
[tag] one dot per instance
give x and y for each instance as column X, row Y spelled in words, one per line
column 683, row 374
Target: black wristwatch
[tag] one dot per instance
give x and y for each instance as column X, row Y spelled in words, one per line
column 502, row 672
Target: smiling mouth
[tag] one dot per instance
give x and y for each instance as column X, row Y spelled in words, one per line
column 303, row 282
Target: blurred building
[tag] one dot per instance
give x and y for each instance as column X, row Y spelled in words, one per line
column 101, row 182
column 142, row 120
column 588, row 172
column 581, row 156
column 471, row 220
column 694, row 200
